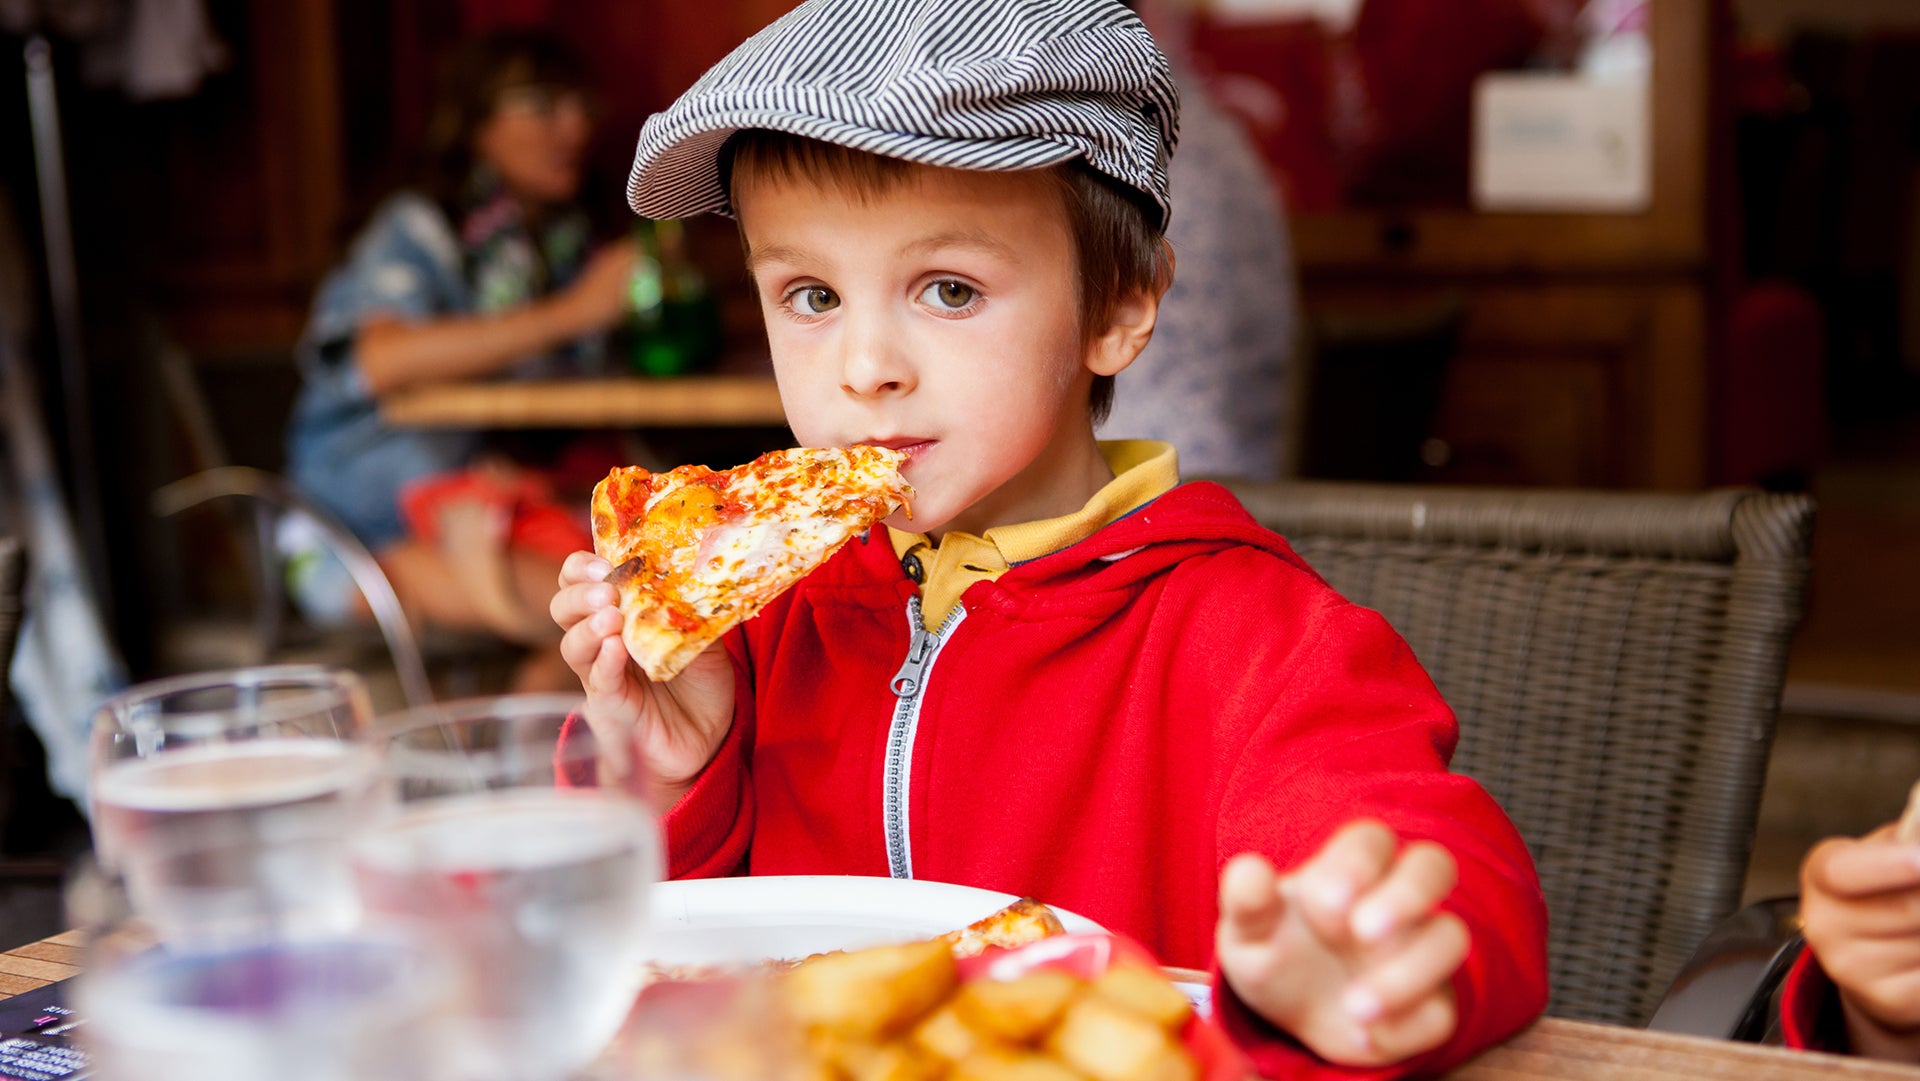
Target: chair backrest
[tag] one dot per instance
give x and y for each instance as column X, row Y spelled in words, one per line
column 270, row 499
column 1615, row 660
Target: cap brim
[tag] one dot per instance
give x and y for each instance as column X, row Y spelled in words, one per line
column 683, row 178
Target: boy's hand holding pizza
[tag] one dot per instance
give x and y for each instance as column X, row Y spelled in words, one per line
column 680, row 558
column 672, row 729
column 1349, row 952
column 1860, row 907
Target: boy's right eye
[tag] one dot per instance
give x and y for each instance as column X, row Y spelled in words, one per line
column 813, row 300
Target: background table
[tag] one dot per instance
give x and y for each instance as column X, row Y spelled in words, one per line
column 692, row 401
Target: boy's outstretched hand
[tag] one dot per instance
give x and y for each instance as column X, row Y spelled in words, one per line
column 1860, row 905
column 673, row 728
column 1349, row 953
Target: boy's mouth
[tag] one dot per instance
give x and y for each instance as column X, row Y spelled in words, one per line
column 913, row 445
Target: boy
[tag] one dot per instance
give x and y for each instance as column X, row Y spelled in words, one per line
column 1857, row 987
column 1066, row 676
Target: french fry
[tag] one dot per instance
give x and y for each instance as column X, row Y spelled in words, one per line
column 862, row 1061
column 1017, row 1010
column 900, row 1013
column 1145, row 992
column 1005, row 1064
column 873, row 992
column 1108, row 1042
column 942, row 1033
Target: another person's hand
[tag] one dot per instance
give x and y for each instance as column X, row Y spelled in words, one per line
column 394, row 353
column 599, row 297
column 1350, row 952
column 674, row 728
column 1860, row 902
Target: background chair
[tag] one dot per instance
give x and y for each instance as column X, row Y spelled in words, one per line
column 270, row 499
column 1615, row 660
column 236, row 464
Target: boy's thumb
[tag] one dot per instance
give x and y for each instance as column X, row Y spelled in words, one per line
column 1251, row 897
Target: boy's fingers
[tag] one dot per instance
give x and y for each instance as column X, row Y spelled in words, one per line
column 576, row 602
column 1882, row 919
column 582, row 642
column 583, row 567
column 579, row 646
column 1351, row 862
column 1419, row 1030
column 1892, row 1001
column 609, row 672
column 1250, row 904
column 1420, row 878
column 1422, row 966
column 1849, row 868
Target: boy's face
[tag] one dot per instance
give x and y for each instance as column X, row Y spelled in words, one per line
column 940, row 316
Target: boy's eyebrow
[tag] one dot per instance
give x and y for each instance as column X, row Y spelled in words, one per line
column 773, row 253
column 977, row 239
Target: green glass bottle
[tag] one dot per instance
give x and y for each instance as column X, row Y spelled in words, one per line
column 674, row 327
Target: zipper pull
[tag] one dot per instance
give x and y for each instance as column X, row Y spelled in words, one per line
column 906, row 682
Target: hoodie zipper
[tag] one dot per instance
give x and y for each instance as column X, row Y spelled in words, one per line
column 909, row 684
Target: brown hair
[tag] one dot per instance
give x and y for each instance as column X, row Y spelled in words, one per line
column 469, row 84
column 1118, row 250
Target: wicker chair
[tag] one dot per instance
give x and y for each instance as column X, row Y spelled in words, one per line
column 1615, row 660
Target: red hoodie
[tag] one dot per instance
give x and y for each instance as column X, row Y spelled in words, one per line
column 1102, row 728
column 1810, row 1014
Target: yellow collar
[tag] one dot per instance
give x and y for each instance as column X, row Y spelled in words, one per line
column 1143, row 470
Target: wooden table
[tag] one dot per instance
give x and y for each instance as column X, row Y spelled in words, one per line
column 37, row 964
column 1554, row 1049
column 686, row 401
column 1551, row 1050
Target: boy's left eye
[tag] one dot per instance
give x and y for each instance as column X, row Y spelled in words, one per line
column 949, row 294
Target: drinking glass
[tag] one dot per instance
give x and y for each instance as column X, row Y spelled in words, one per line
column 502, row 844
column 226, row 799
column 324, row 1007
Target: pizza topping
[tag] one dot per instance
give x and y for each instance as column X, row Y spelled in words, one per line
column 680, row 517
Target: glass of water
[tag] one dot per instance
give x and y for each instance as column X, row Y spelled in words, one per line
column 348, row 1007
column 501, row 843
column 226, row 799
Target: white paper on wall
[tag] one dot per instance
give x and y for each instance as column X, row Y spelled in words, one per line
column 1554, row 142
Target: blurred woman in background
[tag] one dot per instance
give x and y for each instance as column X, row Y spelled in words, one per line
column 485, row 268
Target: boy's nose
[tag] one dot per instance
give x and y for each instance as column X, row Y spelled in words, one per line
column 873, row 365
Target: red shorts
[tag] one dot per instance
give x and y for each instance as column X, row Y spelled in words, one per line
column 536, row 520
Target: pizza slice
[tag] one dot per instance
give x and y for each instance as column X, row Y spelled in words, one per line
column 1021, row 922
column 695, row 551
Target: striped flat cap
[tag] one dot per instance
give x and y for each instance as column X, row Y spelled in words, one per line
column 967, row 84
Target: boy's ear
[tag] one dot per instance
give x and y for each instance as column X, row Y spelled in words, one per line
column 1130, row 327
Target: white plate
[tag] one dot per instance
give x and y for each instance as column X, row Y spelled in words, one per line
column 717, row 921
